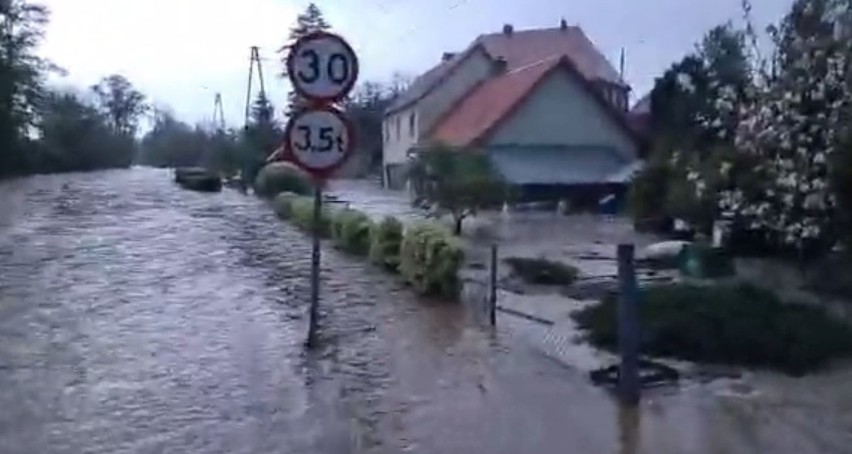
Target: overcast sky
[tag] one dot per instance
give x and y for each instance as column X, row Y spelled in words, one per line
column 180, row 52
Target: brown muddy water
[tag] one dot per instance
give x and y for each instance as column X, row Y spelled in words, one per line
column 136, row 317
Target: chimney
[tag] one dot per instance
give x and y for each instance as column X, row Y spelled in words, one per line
column 447, row 56
column 508, row 29
column 498, row 66
column 563, row 24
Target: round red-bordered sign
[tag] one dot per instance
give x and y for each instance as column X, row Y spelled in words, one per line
column 322, row 67
column 318, row 140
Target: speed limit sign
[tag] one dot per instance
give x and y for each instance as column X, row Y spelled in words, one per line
column 322, row 67
column 319, row 140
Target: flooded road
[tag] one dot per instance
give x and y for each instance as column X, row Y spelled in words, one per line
column 136, row 317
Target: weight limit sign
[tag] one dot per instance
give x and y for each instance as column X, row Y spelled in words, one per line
column 319, row 140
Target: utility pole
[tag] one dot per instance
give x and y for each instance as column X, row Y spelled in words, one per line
column 218, row 113
column 248, row 166
column 254, row 59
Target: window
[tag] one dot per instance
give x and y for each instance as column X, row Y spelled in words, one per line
column 411, row 124
column 397, row 127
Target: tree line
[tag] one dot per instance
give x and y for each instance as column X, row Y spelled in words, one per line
column 45, row 129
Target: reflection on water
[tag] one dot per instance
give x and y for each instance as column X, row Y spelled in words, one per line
column 629, row 420
column 138, row 317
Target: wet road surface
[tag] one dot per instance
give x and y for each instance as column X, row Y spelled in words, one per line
column 139, row 318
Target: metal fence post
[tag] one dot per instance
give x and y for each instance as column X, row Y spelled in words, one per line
column 628, row 326
column 492, row 296
column 315, row 268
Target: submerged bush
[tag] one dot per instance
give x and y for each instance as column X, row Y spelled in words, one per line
column 430, row 258
column 385, row 242
column 351, row 231
column 279, row 177
column 283, row 204
column 739, row 325
column 542, row 271
column 302, row 214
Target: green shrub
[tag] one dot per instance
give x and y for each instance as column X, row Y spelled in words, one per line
column 351, row 231
column 385, row 242
column 542, row 271
column 704, row 261
column 830, row 276
column 302, row 214
column 279, row 177
column 283, row 204
column 738, row 325
column 430, row 258
column 647, row 196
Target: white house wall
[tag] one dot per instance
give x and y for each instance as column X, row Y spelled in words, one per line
column 398, row 136
column 459, row 82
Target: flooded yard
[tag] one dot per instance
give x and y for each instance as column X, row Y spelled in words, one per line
column 136, row 317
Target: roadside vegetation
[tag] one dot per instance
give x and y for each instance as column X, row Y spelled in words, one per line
column 762, row 140
column 279, row 177
column 735, row 325
column 456, row 182
column 385, row 242
column 542, row 271
column 427, row 256
column 47, row 129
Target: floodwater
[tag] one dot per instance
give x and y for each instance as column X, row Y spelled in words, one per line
column 136, row 317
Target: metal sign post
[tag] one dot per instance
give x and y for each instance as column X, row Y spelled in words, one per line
column 322, row 68
column 628, row 326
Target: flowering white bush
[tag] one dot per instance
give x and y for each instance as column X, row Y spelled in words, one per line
column 788, row 129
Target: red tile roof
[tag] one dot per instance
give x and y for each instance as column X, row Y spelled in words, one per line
column 482, row 110
column 525, row 47
column 519, row 49
column 486, row 104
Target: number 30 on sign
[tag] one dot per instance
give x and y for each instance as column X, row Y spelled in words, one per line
column 319, row 140
column 322, row 67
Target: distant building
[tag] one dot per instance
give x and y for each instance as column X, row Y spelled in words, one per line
column 545, row 105
column 639, row 116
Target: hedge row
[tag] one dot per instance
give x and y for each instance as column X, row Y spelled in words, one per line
column 739, row 325
column 427, row 256
column 280, row 177
column 430, row 257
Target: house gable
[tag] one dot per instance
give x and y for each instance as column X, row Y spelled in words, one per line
column 560, row 109
column 470, row 72
column 427, row 82
column 404, row 124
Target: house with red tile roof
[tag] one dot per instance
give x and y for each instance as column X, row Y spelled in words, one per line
column 544, row 104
